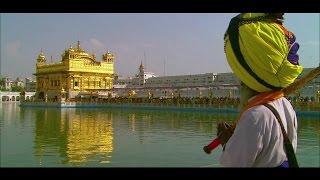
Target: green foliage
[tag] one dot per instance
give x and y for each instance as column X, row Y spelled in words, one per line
column 17, row 89
column 2, row 80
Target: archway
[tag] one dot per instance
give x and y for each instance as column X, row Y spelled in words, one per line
column 312, row 99
column 13, row 98
column 18, row 98
column 5, row 98
column 41, row 95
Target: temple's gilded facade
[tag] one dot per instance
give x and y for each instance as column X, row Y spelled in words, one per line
column 77, row 72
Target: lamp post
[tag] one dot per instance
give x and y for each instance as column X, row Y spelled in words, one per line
column 46, row 89
column 62, row 95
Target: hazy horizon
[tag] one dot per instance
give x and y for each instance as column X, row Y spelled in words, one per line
column 187, row 43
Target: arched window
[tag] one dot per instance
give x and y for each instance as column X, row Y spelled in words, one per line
column 4, row 98
column 312, row 99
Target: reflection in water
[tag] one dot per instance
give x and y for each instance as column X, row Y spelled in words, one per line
column 89, row 135
column 78, row 136
column 123, row 138
column 132, row 121
column 308, row 150
column 152, row 126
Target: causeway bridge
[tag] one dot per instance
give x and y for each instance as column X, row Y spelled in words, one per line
column 7, row 96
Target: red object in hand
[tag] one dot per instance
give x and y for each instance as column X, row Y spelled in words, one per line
column 215, row 143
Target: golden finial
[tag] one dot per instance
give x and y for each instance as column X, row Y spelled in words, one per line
column 71, row 48
column 41, row 52
column 41, row 56
column 78, row 45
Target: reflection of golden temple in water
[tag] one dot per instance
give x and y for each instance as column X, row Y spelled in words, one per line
column 89, row 136
column 86, row 137
column 79, row 136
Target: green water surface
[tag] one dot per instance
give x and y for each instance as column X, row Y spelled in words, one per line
column 104, row 137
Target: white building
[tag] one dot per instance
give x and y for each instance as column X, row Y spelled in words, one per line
column 138, row 81
column 19, row 82
column 7, row 96
column 7, row 83
column 146, row 84
column 182, row 81
column 310, row 91
column 30, row 85
column 227, row 79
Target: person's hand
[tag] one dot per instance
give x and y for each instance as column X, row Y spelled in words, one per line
column 206, row 149
column 224, row 132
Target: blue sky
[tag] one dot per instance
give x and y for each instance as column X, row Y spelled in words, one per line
column 188, row 43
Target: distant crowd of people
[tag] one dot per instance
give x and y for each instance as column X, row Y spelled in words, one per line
column 189, row 101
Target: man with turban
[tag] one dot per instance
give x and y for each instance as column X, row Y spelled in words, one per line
column 262, row 53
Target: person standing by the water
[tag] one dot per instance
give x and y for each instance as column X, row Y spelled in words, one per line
column 263, row 55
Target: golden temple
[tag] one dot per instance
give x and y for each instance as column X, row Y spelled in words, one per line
column 77, row 72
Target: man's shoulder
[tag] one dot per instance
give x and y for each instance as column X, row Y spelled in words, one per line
column 258, row 110
column 263, row 110
column 257, row 114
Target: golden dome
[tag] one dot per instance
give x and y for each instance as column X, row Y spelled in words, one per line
column 83, row 54
column 41, row 57
column 71, row 49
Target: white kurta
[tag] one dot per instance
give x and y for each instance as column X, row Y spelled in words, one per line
column 257, row 140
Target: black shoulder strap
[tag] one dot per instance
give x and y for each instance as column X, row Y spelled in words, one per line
column 287, row 143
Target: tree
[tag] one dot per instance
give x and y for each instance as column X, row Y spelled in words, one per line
column 17, row 88
column 1, row 80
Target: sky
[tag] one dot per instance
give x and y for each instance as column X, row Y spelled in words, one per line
column 166, row 43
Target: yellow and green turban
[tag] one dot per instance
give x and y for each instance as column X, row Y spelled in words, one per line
column 258, row 51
